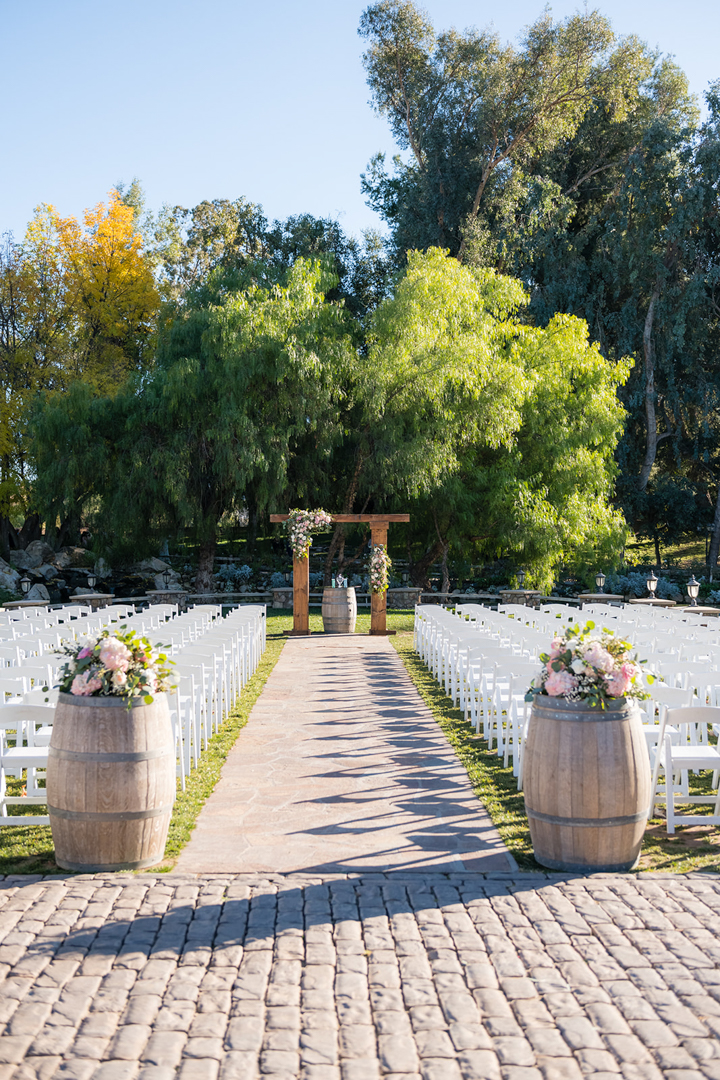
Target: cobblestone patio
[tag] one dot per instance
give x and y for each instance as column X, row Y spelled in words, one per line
column 439, row 976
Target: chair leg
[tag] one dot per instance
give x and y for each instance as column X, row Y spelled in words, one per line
column 669, row 788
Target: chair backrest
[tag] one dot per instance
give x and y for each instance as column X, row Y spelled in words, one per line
column 695, row 717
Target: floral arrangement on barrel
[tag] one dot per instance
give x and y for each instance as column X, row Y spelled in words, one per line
column 300, row 524
column 594, row 667
column 115, row 665
column 378, row 568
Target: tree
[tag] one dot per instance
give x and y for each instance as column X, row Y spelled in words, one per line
column 471, row 111
column 244, row 379
column 501, row 434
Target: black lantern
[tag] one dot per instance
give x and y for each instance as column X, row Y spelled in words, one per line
column 405, row 577
column 166, row 575
column 600, row 581
column 651, row 583
column 520, row 578
column 693, row 588
column 92, row 581
column 288, row 577
column 25, row 585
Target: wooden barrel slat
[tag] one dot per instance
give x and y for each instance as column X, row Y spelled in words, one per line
column 339, row 610
column 110, row 783
column 586, row 785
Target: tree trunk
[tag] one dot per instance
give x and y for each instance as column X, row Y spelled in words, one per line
column 337, row 536
column 31, row 530
column 650, row 418
column 204, row 578
column 445, row 575
column 658, row 557
column 715, row 539
column 418, row 571
column 8, row 536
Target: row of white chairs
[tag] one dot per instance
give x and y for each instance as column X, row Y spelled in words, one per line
column 213, row 659
column 485, row 661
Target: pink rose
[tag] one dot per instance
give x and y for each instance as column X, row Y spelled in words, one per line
column 599, row 658
column 86, row 651
column 114, row 655
column 617, row 685
column 559, row 683
column 557, row 646
column 629, row 670
column 84, row 685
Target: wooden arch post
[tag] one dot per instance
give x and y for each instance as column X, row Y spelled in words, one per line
column 301, row 573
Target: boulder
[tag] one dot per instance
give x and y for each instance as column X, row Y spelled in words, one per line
column 41, row 551
column 23, row 561
column 47, row 571
column 69, row 556
column 38, row 592
column 173, row 583
column 151, row 566
column 9, row 577
column 102, row 570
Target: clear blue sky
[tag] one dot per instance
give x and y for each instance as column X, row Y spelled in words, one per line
column 226, row 97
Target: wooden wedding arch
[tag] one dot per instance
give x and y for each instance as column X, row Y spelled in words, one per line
column 301, row 573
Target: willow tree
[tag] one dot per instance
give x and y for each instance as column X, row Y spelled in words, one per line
column 502, row 434
column 245, row 377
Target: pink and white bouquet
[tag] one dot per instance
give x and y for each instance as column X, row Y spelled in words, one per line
column 300, row 524
column 118, row 665
column 379, row 567
column 587, row 666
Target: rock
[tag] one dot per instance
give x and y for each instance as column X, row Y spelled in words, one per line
column 102, row 570
column 38, row 592
column 173, row 583
column 9, row 577
column 70, row 556
column 41, row 551
column 23, row 561
column 47, row 571
column 152, row 566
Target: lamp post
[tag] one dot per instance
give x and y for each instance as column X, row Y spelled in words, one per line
column 651, row 583
column 25, row 585
column 166, row 575
column 693, row 588
column 92, row 581
column 600, row 581
column 520, row 578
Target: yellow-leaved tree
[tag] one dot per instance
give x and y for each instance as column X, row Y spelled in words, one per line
column 77, row 301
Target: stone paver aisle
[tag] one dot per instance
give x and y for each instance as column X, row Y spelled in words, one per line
column 342, row 768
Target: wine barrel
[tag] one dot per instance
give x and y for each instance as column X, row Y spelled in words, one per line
column 339, row 611
column 586, row 779
column 110, row 782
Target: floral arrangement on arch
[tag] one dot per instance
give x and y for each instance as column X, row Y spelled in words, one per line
column 379, row 567
column 300, row 524
column 584, row 666
column 115, row 665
